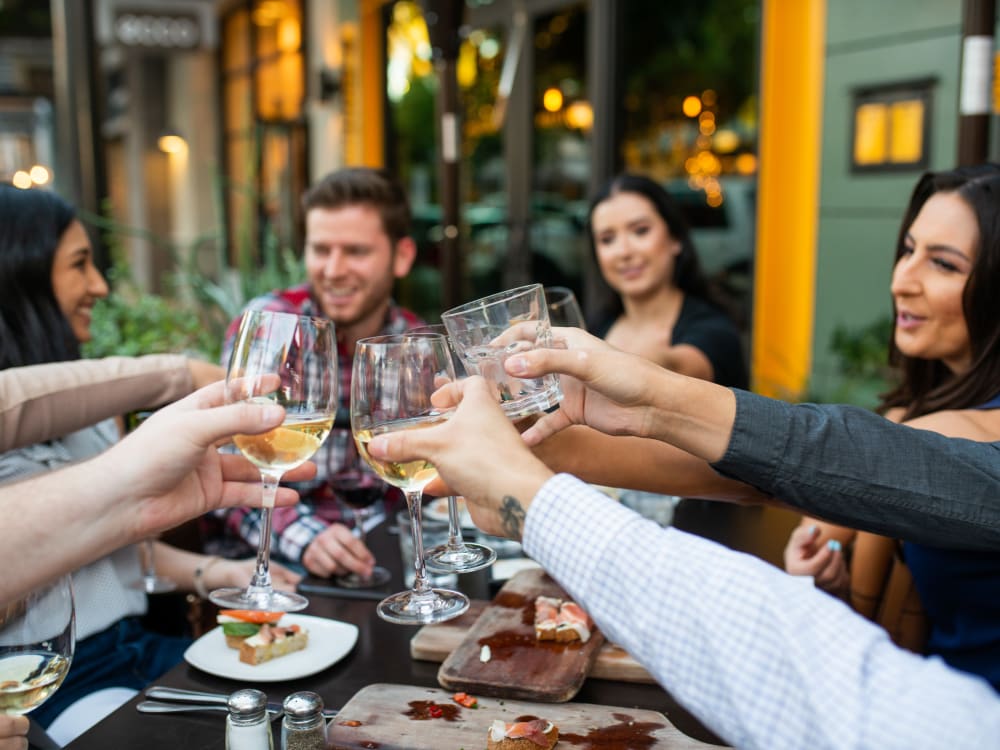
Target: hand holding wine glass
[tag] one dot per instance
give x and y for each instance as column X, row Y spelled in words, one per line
column 37, row 638
column 290, row 360
column 456, row 555
column 393, row 381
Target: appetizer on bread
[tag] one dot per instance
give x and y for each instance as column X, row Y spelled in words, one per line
column 257, row 635
column 561, row 620
column 537, row 734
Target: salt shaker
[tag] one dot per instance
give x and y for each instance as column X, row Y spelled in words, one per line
column 248, row 726
column 303, row 727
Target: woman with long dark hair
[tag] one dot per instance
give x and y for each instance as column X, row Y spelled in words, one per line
column 662, row 309
column 48, row 287
column 946, row 349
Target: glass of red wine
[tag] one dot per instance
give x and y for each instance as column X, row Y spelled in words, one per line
column 358, row 489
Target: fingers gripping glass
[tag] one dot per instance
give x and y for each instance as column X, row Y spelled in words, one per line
column 392, row 383
column 488, row 331
column 290, row 360
column 457, row 555
column 37, row 638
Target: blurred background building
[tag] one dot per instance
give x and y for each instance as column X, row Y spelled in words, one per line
column 791, row 131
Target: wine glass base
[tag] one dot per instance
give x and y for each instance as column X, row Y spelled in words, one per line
column 268, row 601
column 154, row 585
column 379, row 577
column 411, row 608
column 468, row 558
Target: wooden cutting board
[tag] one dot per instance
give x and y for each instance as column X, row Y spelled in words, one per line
column 520, row 666
column 436, row 642
column 394, row 717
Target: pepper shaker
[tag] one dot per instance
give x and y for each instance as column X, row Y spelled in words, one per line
column 247, row 725
column 303, row 727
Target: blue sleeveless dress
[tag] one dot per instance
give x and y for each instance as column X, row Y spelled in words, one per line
column 960, row 592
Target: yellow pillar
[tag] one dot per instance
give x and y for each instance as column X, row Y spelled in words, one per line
column 372, row 120
column 791, row 95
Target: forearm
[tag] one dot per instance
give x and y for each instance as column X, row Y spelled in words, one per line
column 749, row 650
column 93, row 520
column 639, row 464
column 855, row 468
column 45, row 401
column 691, row 414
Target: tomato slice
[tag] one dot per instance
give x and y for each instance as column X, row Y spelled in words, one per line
column 253, row 615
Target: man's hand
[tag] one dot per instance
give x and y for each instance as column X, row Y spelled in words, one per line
column 170, row 467
column 498, row 480
column 336, row 551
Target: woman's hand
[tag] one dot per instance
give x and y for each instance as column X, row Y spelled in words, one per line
column 805, row 555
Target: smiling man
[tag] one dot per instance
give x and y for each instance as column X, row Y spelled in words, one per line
column 357, row 244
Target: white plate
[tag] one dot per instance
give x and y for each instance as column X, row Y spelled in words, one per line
column 438, row 511
column 329, row 642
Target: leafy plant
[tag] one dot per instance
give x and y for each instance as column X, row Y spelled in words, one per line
column 862, row 371
column 132, row 322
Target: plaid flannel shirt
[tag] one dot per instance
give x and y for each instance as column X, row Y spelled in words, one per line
column 293, row 528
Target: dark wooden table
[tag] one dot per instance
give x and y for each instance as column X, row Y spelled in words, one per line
column 382, row 652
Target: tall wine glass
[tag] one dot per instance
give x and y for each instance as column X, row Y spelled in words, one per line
column 456, row 555
column 393, row 380
column 359, row 490
column 37, row 638
column 290, row 360
column 564, row 310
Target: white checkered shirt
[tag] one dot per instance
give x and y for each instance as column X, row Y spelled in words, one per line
column 762, row 660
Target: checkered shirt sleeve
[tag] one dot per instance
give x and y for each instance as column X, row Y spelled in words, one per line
column 762, row 660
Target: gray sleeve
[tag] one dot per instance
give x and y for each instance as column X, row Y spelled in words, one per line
column 853, row 467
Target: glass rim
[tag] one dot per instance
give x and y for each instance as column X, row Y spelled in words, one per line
column 492, row 299
column 390, row 339
column 311, row 318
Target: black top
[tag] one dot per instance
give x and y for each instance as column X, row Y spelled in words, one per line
column 708, row 329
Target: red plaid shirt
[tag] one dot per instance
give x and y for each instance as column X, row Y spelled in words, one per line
column 294, row 528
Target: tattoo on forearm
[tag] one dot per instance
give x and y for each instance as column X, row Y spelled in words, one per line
column 512, row 517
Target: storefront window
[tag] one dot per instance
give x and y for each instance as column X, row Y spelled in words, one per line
column 689, row 72
column 263, row 85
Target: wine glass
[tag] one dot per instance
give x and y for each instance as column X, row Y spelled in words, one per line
column 37, row 638
column 457, row 555
column 564, row 310
column 151, row 583
column 392, row 383
column 359, row 490
column 290, row 360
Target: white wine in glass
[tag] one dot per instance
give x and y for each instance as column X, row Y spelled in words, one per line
column 37, row 638
column 290, row 360
column 392, row 383
column 456, row 555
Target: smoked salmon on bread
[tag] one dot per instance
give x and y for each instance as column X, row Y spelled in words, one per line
column 561, row 620
column 537, row 734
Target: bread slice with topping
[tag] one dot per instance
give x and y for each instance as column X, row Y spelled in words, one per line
column 537, row 734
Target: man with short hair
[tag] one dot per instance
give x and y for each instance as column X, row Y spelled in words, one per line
column 357, row 243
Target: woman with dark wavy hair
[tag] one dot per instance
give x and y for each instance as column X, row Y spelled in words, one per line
column 48, row 282
column 48, row 287
column 946, row 349
column 663, row 310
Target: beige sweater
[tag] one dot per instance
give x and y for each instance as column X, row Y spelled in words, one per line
column 42, row 402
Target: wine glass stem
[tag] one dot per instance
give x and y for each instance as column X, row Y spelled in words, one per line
column 455, row 541
column 150, row 572
column 261, row 580
column 420, row 583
